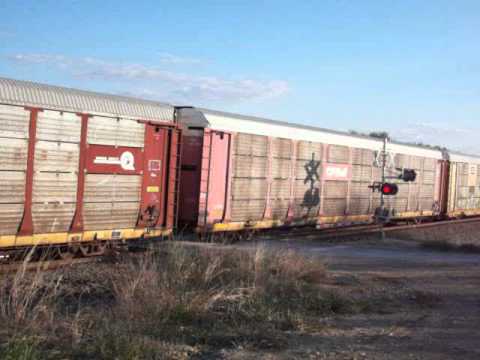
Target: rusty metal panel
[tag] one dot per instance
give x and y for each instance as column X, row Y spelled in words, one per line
column 249, row 189
column 245, row 210
column 48, row 218
column 280, row 189
column 27, row 93
column 10, row 217
column 335, row 189
column 116, row 132
column 363, row 157
column 250, row 166
column 58, row 126
column 338, row 154
column 360, row 189
column 12, row 187
column 308, row 150
column 13, row 154
column 361, row 173
column 119, row 215
column 334, row 207
column 253, row 145
column 54, row 187
column 281, row 168
column 282, row 148
column 56, row 156
column 14, row 122
column 112, row 188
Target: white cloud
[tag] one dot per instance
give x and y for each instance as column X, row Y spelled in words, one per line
column 439, row 133
column 172, row 86
column 167, row 58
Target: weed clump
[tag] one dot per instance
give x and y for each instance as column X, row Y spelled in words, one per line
column 178, row 300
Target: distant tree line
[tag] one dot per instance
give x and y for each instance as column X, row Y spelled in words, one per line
column 383, row 134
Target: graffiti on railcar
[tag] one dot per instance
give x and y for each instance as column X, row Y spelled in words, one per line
column 311, row 198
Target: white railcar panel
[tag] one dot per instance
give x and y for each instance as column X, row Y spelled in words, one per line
column 10, row 217
column 51, row 187
column 12, row 187
column 50, row 218
column 13, row 154
column 56, row 156
column 14, row 122
column 101, row 216
column 112, row 188
column 58, row 126
column 115, row 132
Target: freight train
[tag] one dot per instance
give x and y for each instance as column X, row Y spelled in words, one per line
column 79, row 169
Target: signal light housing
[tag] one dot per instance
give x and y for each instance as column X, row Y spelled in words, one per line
column 408, row 175
column 389, row 189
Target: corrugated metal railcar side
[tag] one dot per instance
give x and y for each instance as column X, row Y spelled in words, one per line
column 278, row 173
column 80, row 166
column 464, row 185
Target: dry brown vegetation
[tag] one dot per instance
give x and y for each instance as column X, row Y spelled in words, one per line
column 177, row 302
column 199, row 301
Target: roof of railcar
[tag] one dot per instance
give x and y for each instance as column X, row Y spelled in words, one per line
column 457, row 156
column 439, row 153
column 26, row 93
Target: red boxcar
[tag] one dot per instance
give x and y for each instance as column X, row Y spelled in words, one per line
column 78, row 166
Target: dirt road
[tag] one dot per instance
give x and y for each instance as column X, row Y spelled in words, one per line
column 436, row 314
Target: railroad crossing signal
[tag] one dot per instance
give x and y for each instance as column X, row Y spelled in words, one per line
column 408, row 175
column 389, row 189
column 385, row 188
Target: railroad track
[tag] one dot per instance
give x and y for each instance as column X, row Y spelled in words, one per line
column 304, row 232
column 338, row 232
column 43, row 265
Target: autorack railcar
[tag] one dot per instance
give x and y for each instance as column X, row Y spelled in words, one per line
column 245, row 172
column 463, row 185
column 80, row 167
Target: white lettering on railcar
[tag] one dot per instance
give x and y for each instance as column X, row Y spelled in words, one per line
column 126, row 160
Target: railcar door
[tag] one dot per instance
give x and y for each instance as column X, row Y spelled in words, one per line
column 154, row 185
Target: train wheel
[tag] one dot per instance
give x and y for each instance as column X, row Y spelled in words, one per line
column 94, row 249
column 65, row 253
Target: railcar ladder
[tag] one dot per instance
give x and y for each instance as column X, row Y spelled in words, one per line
column 205, row 178
column 178, row 166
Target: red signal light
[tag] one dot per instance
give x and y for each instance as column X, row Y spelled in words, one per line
column 389, row 189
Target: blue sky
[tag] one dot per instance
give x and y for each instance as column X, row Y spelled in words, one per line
column 409, row 67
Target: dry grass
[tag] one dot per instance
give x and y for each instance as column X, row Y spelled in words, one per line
column 172, row 303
